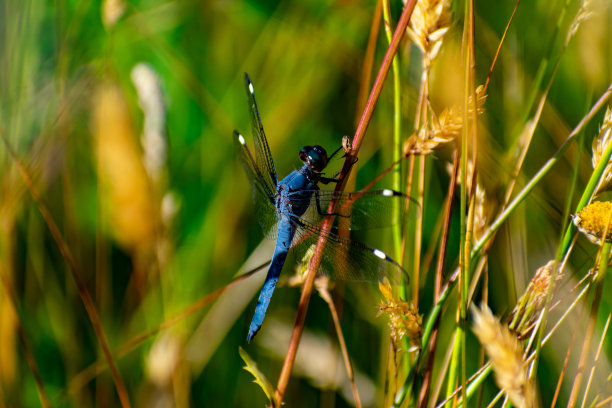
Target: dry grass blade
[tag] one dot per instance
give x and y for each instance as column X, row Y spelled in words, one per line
column 92, row 312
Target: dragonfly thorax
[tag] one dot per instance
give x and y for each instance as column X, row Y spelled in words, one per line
column 315, row 157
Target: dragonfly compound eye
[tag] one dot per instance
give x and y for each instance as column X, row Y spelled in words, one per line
column 315, row 156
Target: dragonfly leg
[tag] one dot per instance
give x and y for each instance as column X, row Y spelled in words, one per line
column 334, row 178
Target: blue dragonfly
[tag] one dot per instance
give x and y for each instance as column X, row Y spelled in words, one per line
column 291, row 211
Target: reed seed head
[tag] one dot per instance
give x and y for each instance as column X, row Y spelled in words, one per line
column 443, row 128
column 431, row 20
column 112, row 11
column 506, row 354
column 530, row 304
column 583, row 14
column 541, row 281
column 600, row 144
column 404, row 319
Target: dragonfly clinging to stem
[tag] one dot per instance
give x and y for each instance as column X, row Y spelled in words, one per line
column 291, row 211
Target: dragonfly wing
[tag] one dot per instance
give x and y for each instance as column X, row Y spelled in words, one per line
column 263, row 191
column 370, row 209
column 344, row 258
column 262, row 150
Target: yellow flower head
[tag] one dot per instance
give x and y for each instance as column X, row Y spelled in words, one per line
column 594, row 220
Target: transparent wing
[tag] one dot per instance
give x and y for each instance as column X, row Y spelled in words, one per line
column 263, row 156
column 263, row 191
column 371, row 209
column 343, row 258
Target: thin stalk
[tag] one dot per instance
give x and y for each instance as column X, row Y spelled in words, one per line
column 429, row 326
column 601, row 343
column 418, row 232
column 496, row 224
column 586, row 196
column 408, row 192
column 501, row 42
column 451, row 385
column 324, row 293
column 466, row 217
column 441, row 376
column 397, row 130
column 424, row 393
column 501, row 218
column 599, row 283
column 570, row 348
column 542, row 68
column 368, row 62
column 283, row 380
column 530, row 126
column 476, row 380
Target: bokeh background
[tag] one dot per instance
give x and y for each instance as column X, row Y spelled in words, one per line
column 121, row 114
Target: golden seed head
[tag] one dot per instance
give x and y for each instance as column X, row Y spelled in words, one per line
column 506, row 354
column 593, row 221
column 583, row 14
column 600, row 144
column 480, row 216
column 532, row 301
column 431, row 20
column 541, row 280
column 404, row 319
column 112, row 10
column 442, row 129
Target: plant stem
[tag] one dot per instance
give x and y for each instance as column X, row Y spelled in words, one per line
column 397, row 131
column 327, row 223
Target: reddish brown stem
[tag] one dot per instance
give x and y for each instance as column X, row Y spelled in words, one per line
column 316, row 259
column 501, row 42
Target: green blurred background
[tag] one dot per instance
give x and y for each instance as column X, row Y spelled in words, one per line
column 151, row 238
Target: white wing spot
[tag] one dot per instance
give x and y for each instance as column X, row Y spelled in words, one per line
column 251, row 90
column 380, row 254
column 387, row 193
column 241, row 139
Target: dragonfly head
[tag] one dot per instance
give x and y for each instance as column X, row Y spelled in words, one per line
column 315, row 157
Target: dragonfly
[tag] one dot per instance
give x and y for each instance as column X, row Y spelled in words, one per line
column 291, row 211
